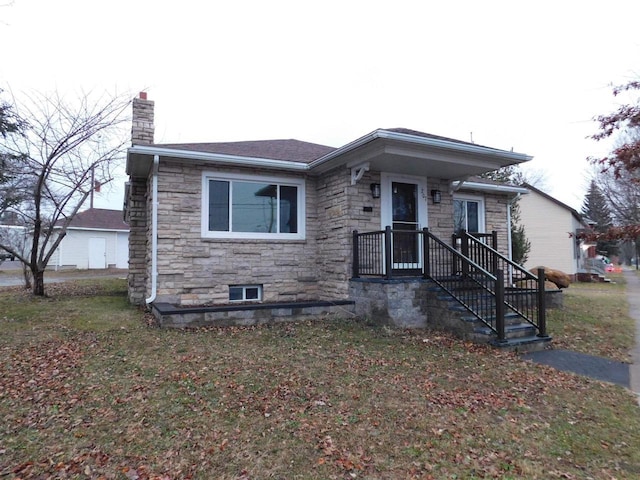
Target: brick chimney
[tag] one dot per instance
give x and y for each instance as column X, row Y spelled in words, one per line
column 142, row 121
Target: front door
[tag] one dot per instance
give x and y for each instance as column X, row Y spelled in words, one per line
column 404, row 208
column 406, row 250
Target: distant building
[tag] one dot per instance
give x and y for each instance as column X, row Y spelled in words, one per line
column 96, row 238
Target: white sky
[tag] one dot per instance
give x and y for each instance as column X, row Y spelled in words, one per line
column 523, row 75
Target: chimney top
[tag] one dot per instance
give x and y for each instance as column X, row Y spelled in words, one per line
column 142, row 120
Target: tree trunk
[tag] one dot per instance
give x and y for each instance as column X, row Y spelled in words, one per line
column 26, row 272
column 38, row 282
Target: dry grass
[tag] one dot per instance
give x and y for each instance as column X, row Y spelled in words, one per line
column 88, row 390
column 595, row 320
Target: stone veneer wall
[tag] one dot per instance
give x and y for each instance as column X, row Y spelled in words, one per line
column 440, row 215
column 142, row 126
column 496, row 219
column 340, row 210
column 330, row 218
column 195, row 271
column 138, row 210
column 137, row 217
column 398, row 303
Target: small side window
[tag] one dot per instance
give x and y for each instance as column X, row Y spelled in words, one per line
column 245, row 293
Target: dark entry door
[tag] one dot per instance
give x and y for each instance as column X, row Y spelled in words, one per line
column 405, row 217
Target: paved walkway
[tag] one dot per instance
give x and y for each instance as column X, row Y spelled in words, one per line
column 627, row 375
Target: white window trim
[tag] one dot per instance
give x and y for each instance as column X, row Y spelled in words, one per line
column 481, row 208
column 244, row 293
column 386, row 179
column 286, row 181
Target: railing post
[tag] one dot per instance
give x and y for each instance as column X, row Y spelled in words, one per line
column 356, row 256
column 388, row 261
column 500, row 328
column 464, row 249
column 494, row 240
column 542, row 307
column 426, row 263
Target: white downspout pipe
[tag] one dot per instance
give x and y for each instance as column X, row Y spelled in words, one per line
column 509, row 239
column 154, row 230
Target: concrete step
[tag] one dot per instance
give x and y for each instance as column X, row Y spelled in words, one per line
column 524, row 344
column 519, row 330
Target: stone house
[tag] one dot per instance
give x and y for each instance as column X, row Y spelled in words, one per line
column 258, row 230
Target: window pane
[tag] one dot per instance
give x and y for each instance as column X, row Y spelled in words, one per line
column 218, row 206
column 254, row 207
column 288, row 209
column 251, row 293
column 404, row 202
column 235, row 293
column 473, row 221
column 459, row 222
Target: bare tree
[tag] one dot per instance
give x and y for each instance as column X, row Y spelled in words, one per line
column 66, row 144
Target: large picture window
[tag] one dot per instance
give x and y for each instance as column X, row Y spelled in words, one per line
column 237, row 206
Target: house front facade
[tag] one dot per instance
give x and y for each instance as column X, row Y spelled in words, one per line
column 273, row 221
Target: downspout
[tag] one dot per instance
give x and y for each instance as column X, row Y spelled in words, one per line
column 509, row 239
column 154, row 230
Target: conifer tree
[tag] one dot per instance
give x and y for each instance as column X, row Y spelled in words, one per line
column 596, row 209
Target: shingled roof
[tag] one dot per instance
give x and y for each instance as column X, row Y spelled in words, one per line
column 408, row 131
column 290, row 150
column 99, row 218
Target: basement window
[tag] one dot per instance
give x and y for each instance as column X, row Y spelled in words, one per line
column 245, row 293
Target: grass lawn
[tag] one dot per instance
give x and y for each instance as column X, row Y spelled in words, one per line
column 88, row 390
column 595, row 320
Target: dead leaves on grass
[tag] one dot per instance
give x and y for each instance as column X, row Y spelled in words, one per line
column 41, row 373
column 406, row 408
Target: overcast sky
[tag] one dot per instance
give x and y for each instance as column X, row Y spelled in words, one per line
column 509, row 74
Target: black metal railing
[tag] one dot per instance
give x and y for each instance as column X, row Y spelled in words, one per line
column 476, row 274
column 524, row 293
column 460, row 241
column 478, row 290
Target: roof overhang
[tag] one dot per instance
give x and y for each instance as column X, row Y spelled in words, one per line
column 416, row 155
column 96, row 229
column 383, row 150
column 488, row 187
column 140, row 160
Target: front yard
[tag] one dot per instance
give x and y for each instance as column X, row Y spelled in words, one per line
column 88, row 390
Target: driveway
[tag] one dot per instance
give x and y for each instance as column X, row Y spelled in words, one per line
column 11, row 274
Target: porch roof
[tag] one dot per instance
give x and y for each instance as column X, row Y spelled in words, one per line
column 396, row 150
column 400, row 150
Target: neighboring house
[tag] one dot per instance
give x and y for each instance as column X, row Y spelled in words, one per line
column 552, row 227
column 264, row 229
column 96, row 238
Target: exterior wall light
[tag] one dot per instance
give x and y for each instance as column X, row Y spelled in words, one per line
column 375, row 190
column 436, row 195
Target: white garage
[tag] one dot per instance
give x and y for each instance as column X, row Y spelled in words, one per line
column 96, row 238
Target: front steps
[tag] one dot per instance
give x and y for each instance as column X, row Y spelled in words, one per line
column 520, row 335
